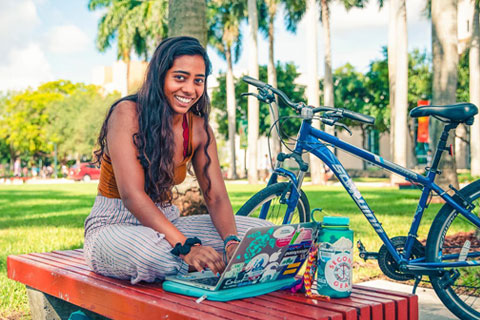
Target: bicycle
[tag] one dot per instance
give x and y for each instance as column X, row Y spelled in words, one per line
column 454, row 271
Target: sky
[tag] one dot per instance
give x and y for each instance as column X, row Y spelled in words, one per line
column 45, row 40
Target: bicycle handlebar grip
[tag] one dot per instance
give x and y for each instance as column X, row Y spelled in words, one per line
column 254, row 82
column 358, row 116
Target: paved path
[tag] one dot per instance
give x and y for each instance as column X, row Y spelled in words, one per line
column 430, row 307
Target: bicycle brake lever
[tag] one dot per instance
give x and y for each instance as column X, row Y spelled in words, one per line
column 344, row 127
column 328, row 121
column 244, row 94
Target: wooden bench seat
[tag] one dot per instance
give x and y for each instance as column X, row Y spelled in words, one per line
column 63, row 280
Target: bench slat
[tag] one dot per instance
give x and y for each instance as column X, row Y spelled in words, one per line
column 65, row 275
column 103, row 297
column 153, row 291
column 412, row 299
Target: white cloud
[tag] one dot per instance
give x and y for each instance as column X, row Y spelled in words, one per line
column 67, row 39
column 24, row 67
column 17, row 20
column 371, row 15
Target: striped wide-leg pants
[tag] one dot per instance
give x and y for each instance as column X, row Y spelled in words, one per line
column 118, row 246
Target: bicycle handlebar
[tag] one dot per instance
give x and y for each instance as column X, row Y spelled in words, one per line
column 262, row 86
column 297, row 106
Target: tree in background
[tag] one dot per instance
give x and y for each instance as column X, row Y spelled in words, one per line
column 294, row 10
column 398, row 81
column 286, row 75
column 474, row 64
column 445, row 64
column 76, row 121
column 25, row 119
column 58, row 114
column 352, row 93
column 253, row 103
column 188, row 18
column 224, row 18
column 135, row 25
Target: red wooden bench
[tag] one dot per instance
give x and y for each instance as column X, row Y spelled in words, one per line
column 60, row 282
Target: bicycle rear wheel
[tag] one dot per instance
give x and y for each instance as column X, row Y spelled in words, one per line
column 459, row 288
column 275, row 193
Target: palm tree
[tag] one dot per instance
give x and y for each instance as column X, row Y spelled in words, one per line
column 188, row 18
column 474, row 63
column 398, row 80
column 253, row 104
column 224, row 18
column 445, row 63
column 312, row 88
column 313, row 92
column 272, row 72
column 136, row 25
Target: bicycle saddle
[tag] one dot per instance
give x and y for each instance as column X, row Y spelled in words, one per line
column 460, row 112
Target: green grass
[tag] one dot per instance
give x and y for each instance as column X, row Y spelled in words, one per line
column 39, row 218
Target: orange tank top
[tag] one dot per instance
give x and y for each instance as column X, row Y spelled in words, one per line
column 107, row 186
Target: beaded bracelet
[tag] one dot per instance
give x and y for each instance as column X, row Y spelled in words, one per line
column 184, row 249
column 230, row 238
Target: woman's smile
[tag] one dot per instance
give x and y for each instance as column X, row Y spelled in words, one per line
column 185, row 82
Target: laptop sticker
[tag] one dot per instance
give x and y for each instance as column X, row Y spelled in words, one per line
column 260, row 241
column 270, row 272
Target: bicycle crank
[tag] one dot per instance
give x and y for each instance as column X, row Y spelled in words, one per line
column 390, row 267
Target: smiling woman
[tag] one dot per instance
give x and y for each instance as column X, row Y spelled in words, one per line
column 145, row 144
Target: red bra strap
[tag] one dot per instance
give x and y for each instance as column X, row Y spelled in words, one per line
column 185, row 135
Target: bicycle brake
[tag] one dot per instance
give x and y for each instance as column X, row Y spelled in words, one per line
column 344, row 127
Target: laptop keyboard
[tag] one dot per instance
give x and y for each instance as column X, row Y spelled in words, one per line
column 207, row 281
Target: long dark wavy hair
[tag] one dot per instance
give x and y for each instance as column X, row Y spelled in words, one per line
column 154, row 139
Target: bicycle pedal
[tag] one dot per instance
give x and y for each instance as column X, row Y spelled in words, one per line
column 364, row 254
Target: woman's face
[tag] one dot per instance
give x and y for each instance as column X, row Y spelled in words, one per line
column 185, row 82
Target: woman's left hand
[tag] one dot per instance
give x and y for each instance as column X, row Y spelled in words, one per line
column 230, row 250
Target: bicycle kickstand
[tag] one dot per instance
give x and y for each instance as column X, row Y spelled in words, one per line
column 417, row 282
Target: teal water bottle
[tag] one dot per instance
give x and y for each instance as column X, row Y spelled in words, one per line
column 334, row 258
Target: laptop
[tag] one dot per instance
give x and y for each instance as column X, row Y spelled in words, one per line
column 266, row 254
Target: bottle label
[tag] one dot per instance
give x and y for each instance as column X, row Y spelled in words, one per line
column 338, row 272
column 335, row 262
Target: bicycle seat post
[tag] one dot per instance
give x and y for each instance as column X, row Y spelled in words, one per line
column 441, row 146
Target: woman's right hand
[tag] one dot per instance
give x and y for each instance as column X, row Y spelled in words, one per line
column 202, row 256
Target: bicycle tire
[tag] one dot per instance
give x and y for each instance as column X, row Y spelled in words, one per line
column 462, row 296
column 277, row 210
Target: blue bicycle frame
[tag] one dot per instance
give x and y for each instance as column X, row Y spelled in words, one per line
column 310, row 140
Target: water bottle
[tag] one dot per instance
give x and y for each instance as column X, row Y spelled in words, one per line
column 334, row 258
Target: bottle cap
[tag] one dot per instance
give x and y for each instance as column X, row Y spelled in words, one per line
column 336, row 221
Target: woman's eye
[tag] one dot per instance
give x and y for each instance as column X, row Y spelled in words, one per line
column 179, row 77
column 199, row 81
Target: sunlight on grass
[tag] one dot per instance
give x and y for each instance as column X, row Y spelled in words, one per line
column 40, row 218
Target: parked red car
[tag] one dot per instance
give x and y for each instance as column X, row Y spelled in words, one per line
column 84, row 172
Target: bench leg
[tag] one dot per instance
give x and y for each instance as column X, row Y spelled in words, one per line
column 46, row 307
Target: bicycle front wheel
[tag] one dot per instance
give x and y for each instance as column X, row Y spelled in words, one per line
column 276, row 194
column 451, row 233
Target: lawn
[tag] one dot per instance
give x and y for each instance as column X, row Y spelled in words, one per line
column 39, row 218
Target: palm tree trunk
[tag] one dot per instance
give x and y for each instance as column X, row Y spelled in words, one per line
column 188, row 18
column 312, row 85
column 392, row 25
column 231, row 112
column 253, row 104
column 445, row 63
column 328, row 78
column 272, row 76
column 475, row 91
column 401, row 84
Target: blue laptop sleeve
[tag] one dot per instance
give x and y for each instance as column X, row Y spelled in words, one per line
column 228, row 294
